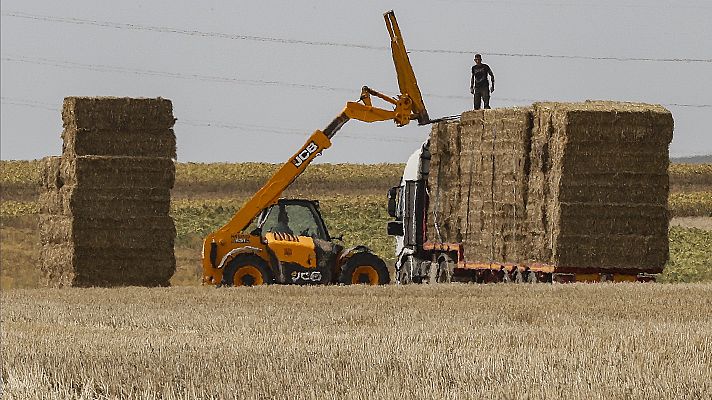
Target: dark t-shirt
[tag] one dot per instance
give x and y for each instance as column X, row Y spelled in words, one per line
column 480, row 72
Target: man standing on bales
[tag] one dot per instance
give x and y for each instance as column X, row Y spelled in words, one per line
column 479, row 85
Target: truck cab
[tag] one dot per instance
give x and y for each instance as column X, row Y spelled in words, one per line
column 416, row 260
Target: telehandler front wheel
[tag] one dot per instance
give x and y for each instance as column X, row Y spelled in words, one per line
column 366, row 268
column 246, row 270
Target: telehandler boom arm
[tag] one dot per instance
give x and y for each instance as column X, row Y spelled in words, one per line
column 408, row 105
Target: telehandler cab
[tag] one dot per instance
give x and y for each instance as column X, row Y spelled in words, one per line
column 273, row 240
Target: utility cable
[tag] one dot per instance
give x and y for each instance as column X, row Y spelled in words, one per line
column 231, row 36
column 230, row 125
column 165, row 74
column 250, row 82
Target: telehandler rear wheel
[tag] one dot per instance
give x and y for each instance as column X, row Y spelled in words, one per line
column 246, row 270
column 364, row 268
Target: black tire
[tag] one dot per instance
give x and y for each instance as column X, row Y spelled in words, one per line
column 531, row 277
column 250, row 270
column 365, row 268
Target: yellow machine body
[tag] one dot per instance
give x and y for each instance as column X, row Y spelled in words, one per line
column 231, row 241
column 292, row 249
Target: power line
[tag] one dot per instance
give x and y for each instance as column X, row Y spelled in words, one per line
column 282, row 131
column 250, row 82
column 231, row 36
column 28, row 103
column 165, row 74
column 181, row 31
column 230, row 125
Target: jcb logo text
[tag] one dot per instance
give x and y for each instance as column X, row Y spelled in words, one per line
column 304, row 155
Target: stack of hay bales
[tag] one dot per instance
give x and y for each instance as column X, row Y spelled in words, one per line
column 599, row 185
column 574, row 185
column 104, row 205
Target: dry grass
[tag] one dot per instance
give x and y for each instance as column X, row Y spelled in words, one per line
column 633, row 341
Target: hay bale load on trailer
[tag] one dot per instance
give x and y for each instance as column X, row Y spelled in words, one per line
column 575, row 187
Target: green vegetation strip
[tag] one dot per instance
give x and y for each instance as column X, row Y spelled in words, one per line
column 690, row 256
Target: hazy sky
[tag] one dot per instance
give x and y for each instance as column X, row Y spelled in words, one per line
column 250, row 81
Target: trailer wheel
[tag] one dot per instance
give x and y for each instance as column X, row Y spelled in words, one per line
column 531, row 277
column 246, row 270
column 403, row 275
column 445, row 270
column 366, row 268
column 433, row 272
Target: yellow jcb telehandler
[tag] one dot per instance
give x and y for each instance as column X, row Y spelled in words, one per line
column 273, row 240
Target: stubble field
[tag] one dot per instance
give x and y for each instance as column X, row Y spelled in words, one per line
column 577, row 341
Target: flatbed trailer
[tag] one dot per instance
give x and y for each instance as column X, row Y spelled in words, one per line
column 493, row 272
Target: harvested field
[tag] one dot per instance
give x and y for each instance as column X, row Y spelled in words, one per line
column 690, row 177
column 578, row 341
column 104, row 204
column 690, row 204
column 573, row 185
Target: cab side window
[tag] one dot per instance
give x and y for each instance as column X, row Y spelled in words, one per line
column 303, row 221
column 295, row 219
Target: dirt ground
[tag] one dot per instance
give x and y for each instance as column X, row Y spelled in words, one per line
column 693, row 222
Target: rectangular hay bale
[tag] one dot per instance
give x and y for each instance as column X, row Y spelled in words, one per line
column 118, row 172
column 65, row 265
column 81, row 201
column 117, row 114
column 141, row 143
column 129, row 233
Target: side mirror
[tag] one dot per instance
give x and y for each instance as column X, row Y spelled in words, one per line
column 392, row 196
column 395, row 228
